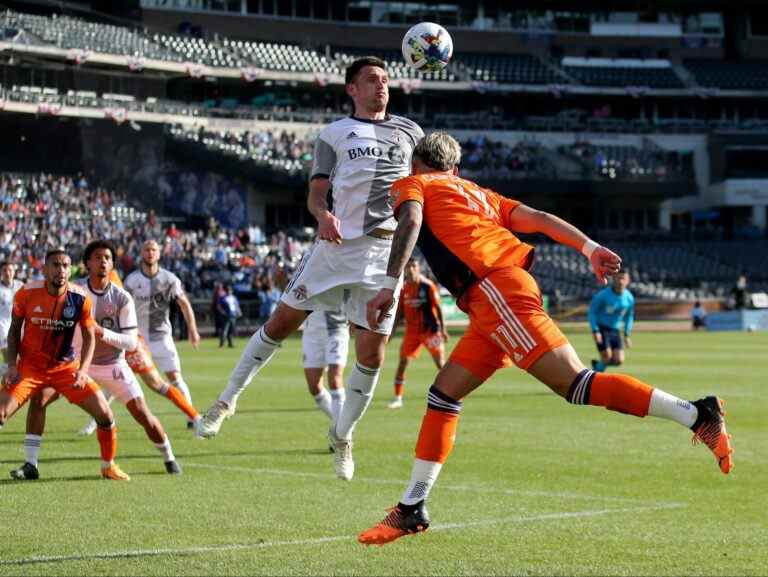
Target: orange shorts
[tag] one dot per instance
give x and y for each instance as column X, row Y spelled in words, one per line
column 413, row 341
column 62, row 380
column 507, row 324
column 140, row 359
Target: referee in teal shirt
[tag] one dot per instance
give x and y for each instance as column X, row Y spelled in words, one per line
column 612, row 309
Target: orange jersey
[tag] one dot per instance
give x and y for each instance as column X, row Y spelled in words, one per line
column 114, row 278
column 420, row 301
column 49, row 324
column 464, row 234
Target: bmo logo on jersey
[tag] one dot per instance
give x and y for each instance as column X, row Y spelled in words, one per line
column 365, row 152
column 395, row 153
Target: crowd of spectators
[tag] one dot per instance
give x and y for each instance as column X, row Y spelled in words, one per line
column 279, row 149
column 40, row 212
column 483, row 158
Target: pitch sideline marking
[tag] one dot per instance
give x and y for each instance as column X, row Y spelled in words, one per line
column 107, row 555
column 402, row 482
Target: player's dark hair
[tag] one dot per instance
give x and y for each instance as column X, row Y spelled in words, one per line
column 54, row 252
column 359, row 64
column 94, row 245
column 5, row 263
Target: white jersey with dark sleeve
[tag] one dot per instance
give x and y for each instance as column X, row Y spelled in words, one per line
column 113, row 309
column 362, row 158
column 153, row 296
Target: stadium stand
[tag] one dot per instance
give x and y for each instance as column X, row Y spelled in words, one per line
column 40, row 212
column 604, row 72
column 281, row 151
column 729, row 75
column 508, row 68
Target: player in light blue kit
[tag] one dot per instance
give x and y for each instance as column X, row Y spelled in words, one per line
column 611, row 308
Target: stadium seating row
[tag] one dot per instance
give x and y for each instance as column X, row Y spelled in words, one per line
column 74, row 33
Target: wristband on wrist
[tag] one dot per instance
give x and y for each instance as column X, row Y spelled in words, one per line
column 390, row 282
column 588, row 248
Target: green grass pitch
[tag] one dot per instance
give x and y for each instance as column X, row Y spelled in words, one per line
column 534, row 486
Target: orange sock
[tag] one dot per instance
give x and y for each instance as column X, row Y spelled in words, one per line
column 399, row 386
column 437, row 435
column 107, row 443
column 178, row 399
column 620, row 393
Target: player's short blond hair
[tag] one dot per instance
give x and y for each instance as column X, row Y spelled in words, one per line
column 438, row 150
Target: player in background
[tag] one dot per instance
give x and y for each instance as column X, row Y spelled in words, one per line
column 612, row 309
column 153, row 288
column 325, row 344
column 140, row 362
column 116, row 332
column 466, row 233
column 424, row 325
column 358, row 158
column 48, row 312
column 8, row 288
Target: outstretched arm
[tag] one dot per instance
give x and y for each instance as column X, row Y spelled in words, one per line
column 528, row 220
column 409, row 218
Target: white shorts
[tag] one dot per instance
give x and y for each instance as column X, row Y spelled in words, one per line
column 118, row 379
column 343, row 276
column 321, row 349
column 4, row 336
column 164, row 354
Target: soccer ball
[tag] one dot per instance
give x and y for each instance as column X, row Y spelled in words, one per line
column 427, row 47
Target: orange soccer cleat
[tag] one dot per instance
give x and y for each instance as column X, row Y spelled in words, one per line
column 710, row 430
column 401, row 520
column 114, row 473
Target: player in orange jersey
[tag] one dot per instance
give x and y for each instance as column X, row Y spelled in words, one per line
column 141, row 363
column 424, row 325
column 467, row 235
column 48, row 312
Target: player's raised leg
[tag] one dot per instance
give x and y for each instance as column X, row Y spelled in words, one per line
column 257, row 353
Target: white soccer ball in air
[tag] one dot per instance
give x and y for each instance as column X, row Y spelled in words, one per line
column 427, row 47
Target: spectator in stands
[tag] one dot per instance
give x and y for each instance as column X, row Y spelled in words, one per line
column 698, row 316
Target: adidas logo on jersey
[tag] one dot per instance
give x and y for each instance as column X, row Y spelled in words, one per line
column 352, row 134
column 37, row 309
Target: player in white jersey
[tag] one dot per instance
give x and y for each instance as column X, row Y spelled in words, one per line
column 358, row 158
column 153, row 288
column 8, row 287
column 325, row 343
column 115, row 317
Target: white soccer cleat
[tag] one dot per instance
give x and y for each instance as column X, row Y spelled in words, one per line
column 343, row 463
column 396, row 403
column 88, row 429
column 231, row 410
column 211, row 423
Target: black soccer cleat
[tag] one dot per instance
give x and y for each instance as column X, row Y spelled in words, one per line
column 172, row 468
column 27, row 472
column 402, row 520
column 709, row 429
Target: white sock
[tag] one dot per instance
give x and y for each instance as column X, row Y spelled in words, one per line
column 184, row 388
column 423, row 476
column 323, row 402
column 32, row 448
column 166, row 450
column 256, row 354
column 337, row 401
column 360, row 386
column 670, row 407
